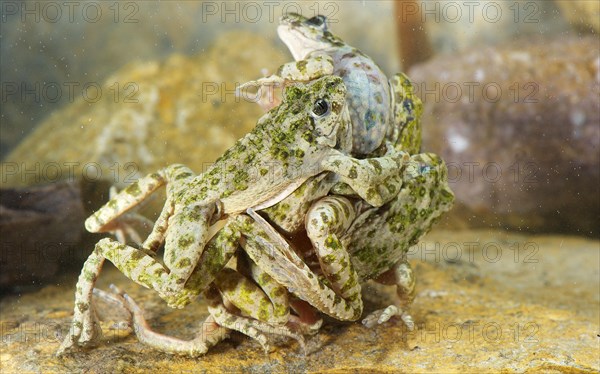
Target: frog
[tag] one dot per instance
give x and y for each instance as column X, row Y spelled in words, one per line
column 286, row 218
column 364, row 243
column 373, row 107
column 385, row 114
column 404, row 130
column 303, row 137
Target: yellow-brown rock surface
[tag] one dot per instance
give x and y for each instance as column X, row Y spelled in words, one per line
column 584, row 14
column 486, row 301
column 182, row 110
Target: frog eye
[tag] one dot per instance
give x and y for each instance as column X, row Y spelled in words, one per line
column 317, row 21
column 320, row 108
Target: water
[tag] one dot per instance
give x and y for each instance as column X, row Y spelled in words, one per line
column 100, row 93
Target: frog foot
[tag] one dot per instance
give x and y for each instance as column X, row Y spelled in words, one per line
column 85, row 331
column 209, row 335
column 381, row 316
column 115, row 306
column 127, row 224
column 304, row 328
column 265, row 91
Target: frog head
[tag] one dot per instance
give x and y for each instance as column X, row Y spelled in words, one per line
column 285, row 148
column 318, row 106
column 304, row 35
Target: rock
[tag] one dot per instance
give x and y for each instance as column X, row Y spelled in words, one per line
column 41, row 229
column 456, row 26
column 486, row 301
column 518, row 128
column 182, row 110
column 582, row 14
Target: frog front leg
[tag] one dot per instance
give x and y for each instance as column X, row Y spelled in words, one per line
column 402, row 276
column 407, row 108
column 303, row 70
column 185, row 240
column 376, row 180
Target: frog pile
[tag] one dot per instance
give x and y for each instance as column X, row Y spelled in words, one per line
column 327, row 192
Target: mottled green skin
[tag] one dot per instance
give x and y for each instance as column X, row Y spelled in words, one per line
column 378, row 237
column 375, row 106
column 354, row 241
column 365, row 242
column 289, row 144
column 376, row 208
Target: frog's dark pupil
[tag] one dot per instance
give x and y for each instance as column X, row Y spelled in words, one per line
column 317, row 20
column 321, row 107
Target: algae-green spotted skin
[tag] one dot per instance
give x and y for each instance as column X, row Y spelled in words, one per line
column 298, row 168
column 286, row 148
column 368, row 90
column 378, row 109
column 285, row 143
column 379, row 236
column 392, row 212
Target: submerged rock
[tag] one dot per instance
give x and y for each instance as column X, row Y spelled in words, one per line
column 518, row 128
column 583, row 14
column 40, row 231
column 486, row 301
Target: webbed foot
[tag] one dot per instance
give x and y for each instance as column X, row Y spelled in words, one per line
column 85, row 330
column 381, row 316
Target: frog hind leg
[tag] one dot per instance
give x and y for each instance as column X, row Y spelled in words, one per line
column 216, row 326
column 326, row 222
column 305, row 322
column 263, row 304
column 425, row 197
column 270, row 251
column 85, row 329
column 209, row 335
column 401, row 275
column 220, row 309
column 139, row 264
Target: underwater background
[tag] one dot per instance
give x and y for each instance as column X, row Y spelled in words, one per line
column 99, row 93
